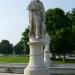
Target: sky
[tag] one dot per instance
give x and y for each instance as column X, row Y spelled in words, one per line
column 14, row 16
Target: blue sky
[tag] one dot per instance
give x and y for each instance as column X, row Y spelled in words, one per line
column 14, row 16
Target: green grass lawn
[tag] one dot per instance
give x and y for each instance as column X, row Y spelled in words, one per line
column 25, row 59
column 67, row 61
column 14, row 59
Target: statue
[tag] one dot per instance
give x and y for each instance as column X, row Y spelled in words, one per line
column 47, row 41
column 36, row 42
column 36, row 19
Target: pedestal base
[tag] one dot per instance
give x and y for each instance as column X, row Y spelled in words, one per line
column 47, row 57
column 36, row 71
column 36, row 64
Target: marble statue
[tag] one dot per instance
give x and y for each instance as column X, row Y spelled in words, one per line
column 36, row 18
column 36, row 65
column 47, row 41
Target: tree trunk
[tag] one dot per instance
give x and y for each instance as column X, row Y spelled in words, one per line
column 64, row 56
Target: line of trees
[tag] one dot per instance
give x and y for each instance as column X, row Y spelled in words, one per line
column 60, row 26
column 6, row 48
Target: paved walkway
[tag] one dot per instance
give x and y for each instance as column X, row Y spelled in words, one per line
column 9, row 74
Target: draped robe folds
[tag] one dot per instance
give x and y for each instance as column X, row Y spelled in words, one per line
column 36, row 19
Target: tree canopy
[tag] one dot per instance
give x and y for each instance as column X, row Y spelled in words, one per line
column 6, row 47
column 25, row 39
column 19, row 49
column 60, row 26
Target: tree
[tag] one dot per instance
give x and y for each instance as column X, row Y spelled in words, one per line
column 55, row 20
column 63, row 43
column 71, row 16
column 19, row 48
column 5, row 47
column 25, row 39
column 66, row 42
column 59, row 27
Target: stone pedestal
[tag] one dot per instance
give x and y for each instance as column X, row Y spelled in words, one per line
column 36, row 64
column 47, row 50
column 47, row 57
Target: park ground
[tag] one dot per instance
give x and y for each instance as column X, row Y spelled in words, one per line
column 15, row 59
column 25, row 59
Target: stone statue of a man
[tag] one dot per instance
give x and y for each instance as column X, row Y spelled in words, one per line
column 36, row 18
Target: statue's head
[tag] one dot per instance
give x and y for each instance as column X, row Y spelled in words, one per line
column 46, row 33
